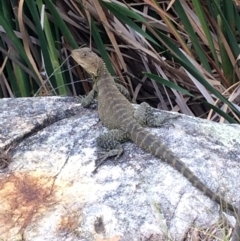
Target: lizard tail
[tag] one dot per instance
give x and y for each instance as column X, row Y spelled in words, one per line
column 153, row 145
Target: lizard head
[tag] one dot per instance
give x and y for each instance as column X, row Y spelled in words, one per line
column 88, row 60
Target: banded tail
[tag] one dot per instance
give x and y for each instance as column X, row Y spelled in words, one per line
column 153, row 145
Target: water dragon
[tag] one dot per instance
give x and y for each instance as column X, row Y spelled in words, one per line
column 127, row 123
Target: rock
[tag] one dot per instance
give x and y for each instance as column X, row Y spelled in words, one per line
column 48, row 191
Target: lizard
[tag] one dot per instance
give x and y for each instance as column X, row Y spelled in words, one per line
column 126, row 123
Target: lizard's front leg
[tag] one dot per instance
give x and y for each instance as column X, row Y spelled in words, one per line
column 123, row 90
column 111, row 142
column 144, row 114
column 89, row 99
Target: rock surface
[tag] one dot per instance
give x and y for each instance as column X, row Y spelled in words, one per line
column 49, row 193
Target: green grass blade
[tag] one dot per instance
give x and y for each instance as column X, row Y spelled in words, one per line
column 60, row 84
column 23, row 85
column 22, row 79
column 124, row 11
column 221, row 113
column 42, row 39
column 16, row 42
column 7, row 12
column 101, row 47
column 202, row 18
column 191, row 33
column 61, row 24
column 167, row 83
column 128, row 21
column 228, row 11
column 227, row 66
column 229, row 34
column 237, row 19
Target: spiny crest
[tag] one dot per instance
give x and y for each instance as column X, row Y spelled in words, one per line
column 88, row 60
column 102, row 69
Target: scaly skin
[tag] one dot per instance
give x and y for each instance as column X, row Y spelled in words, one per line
column 118, row 115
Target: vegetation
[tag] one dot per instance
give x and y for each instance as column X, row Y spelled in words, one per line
column 177, row 55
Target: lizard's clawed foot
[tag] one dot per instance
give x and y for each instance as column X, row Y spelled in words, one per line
column 81, row 99
column 84, row 100
column 154, row 121
column 89, row 100
column 104, row 155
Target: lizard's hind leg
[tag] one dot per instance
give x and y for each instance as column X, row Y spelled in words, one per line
column 111, row 142
column 144, row 114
